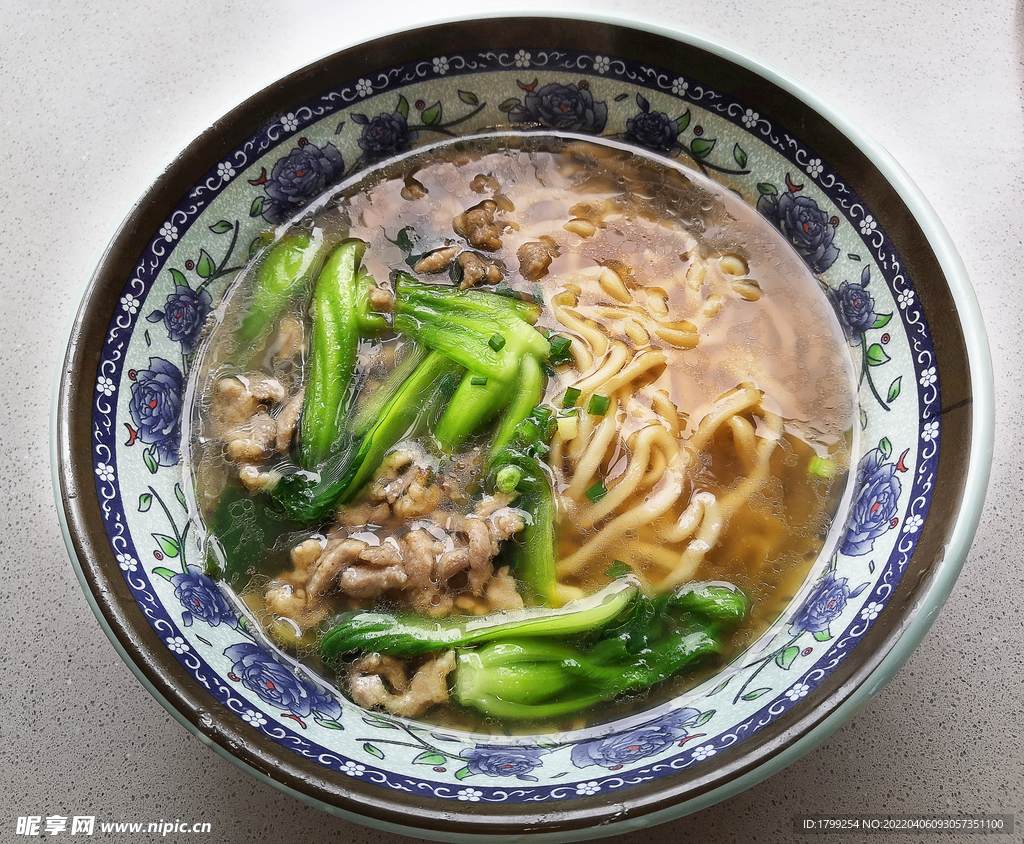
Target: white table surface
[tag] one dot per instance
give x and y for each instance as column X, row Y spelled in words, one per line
column 95, row 98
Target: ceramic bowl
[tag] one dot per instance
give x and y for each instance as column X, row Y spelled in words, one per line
column 925, row 411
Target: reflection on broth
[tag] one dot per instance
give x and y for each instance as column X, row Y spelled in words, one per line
column 519, row 427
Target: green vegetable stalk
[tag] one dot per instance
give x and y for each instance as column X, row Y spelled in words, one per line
column 474, row 354
column 535, row 680
column 521, row 458
column 411, row 635
column 333, row 346
column 284, row 270
column 401, row 417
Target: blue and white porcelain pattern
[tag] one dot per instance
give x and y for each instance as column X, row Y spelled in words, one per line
column 151, row 340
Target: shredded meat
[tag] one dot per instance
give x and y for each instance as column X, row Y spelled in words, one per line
column 336, row 557
column 370, row 677
column 421, row 563
column 382, row 300
column 289, row 341
column 437, row 261
column 413, row 189
column 535, row 257
column 401, row 475
column 251, row 442
column 421, row 550
column 403, row 540
column 238, row 398
column 478, row 227
column 483, row 183
column 475, row 270
column 254, row 416
column 502, row 593
column 370, row 581
column 286, row 421
column 287, row 596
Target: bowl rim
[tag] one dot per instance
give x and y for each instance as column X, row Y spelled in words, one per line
column 861, row 687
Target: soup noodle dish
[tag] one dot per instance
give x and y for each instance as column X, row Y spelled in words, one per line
column 520, row 429
column 481, row 430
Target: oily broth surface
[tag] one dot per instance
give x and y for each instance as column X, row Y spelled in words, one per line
column 654, row 226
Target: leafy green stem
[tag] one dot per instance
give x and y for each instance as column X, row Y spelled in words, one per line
column 778, row 655
column 419, row 744
column 179, row 537
column 443, row 128
column 865, row 375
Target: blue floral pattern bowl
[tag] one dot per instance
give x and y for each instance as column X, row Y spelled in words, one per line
column 896, row 288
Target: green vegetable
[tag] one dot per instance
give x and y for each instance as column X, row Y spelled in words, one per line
column 369, row 322
column 491, row 336
column 240, row 531
column 333, row 346
column 403, row 416
column 508, row 478
column 546, row 677
column 440, row 298
column 533, row 551
column 452, row 383
column 371, row 408
column 822, row 467
column 527, row 392
column 597, row 491
column 411, row 635
column 284, row 270
column 539, row 663
column 572, row 395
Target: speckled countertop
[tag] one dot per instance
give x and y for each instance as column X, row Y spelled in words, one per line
column 97, row 99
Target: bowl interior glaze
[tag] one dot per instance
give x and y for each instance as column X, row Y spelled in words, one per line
column 924, row 414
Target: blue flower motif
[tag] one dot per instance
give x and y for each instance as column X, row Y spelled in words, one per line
column 184, row 315
column 805, row 226
column 652, row 129
column 874, row 506
column 823, row 606
column 202, row 599
column 621, row 749
column 854, row 306
column 384, row 135
column 276, row 684
column 155, row 408
column 302, row 174
column 500, row 761
column 571, row 108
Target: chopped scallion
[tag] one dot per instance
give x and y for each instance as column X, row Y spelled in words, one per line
column 478, row 381
column 597, row 492
column 497, row 342
column 561, row 350
column 598, row 405
column 821, row 467
column 572, row 395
